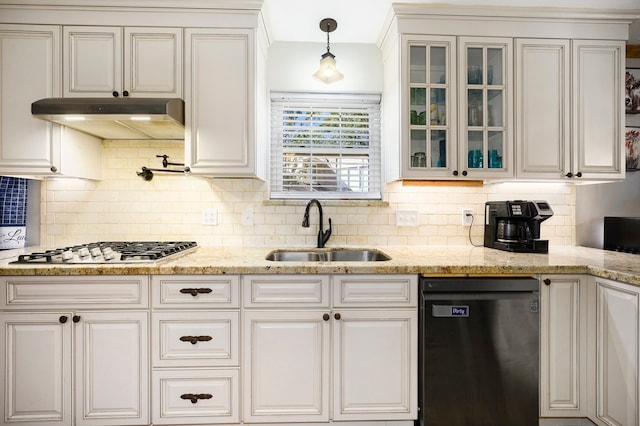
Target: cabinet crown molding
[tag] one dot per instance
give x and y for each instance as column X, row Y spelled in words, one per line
column 182, row 4
column 521, row 12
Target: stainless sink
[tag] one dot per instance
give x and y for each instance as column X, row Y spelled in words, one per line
column 328, row 255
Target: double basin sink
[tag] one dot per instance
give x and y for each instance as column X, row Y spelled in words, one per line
column 328, row 255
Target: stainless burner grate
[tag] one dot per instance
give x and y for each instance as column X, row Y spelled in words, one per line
column 109, row 252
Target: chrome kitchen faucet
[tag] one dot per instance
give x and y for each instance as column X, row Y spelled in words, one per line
column 323, row 236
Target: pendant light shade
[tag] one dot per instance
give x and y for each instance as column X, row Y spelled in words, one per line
column 328, row 72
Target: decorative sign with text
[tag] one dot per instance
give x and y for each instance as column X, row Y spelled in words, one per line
column 12, row 237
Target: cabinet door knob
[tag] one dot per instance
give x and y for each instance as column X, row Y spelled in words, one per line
column 337, row 316
column 125, row 93
column 76, row 318
column 455, row 173
column 326, row 317
column 464, row 173
column 115, row 94
column 54, row 169
column 547, row 281
column 195, row 339
column 579, row 174
column 194, row 397
column 195, row 291
column 63, row 319
column 569, row 175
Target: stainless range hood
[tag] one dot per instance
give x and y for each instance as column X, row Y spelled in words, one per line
column 116, row 118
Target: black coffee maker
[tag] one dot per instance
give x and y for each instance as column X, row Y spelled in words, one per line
column 515, row 225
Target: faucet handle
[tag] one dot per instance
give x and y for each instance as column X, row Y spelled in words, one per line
column 327, row 234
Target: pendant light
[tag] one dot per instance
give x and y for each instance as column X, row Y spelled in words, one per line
column 328, row 71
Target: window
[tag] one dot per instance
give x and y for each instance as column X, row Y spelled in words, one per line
column 325, row 146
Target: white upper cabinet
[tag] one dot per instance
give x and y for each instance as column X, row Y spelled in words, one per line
column 429, row 64
column 543, row 107
column 30, row 64
column 223, row 73
column 29, row 70
column 598, row 109
column 485, row 119
column 569, row 109
column 469, row 107
column 115, row 61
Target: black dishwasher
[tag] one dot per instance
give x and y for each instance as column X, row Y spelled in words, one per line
column 478, row 352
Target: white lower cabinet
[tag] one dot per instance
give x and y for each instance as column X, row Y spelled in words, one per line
column 56, row 353
column 36, row 369
column 195, row 349
column 563, row 346
column 617, row 349
column 293, row 368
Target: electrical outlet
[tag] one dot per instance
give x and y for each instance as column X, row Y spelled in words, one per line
column 247, row 216
column 406, row 218
column 209, row 216
column 467, row 217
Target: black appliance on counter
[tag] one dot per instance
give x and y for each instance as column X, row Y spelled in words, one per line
column 622, row 234
column 515, row 225
column 109, row 252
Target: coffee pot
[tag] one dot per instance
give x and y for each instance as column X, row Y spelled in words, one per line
column 515, row 225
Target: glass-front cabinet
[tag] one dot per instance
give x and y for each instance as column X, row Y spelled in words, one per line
column 485, row 110
column 430, row 111
column 458, row 115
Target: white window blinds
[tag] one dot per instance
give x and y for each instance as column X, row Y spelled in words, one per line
column 325, row 146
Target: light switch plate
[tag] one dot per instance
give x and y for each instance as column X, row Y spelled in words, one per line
column 406, row 218
column 247, row 216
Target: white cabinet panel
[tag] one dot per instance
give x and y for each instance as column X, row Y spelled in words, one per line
column 112, row 377
column 563, row 358
column 618, row 346
column 195, row 291
column 286, row 290
column 195, row 339
column 219, row 101
column 196, row 397
column 598, row 108
column 153, row 62
column 381, row 386
column 286, row 374
column 35, row 355
column 68, row 292
column 30, row 63
column 92, row 61
column 375, row 290
column 543, row 108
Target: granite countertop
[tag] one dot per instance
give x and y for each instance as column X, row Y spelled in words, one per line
column 432, row 260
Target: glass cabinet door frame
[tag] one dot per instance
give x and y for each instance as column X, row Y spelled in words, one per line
column 411, row 169
column 472, row 119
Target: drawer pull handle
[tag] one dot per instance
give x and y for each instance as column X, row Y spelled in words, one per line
column 195, row 291
column 194, row 397
column 195, row 339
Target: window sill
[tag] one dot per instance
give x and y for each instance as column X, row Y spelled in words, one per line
column 329, row 202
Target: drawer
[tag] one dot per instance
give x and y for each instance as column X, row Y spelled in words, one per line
column 190, row 339
column 188, row 291
column 195, row 397
column 285, row 291
column 79, row 292
column 375, row 290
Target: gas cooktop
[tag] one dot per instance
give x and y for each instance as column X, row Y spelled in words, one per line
column 109, row 252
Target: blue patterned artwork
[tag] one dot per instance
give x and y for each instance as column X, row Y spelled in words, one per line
column 13, row 212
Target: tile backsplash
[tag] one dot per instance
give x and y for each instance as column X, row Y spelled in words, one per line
column 123, row 206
